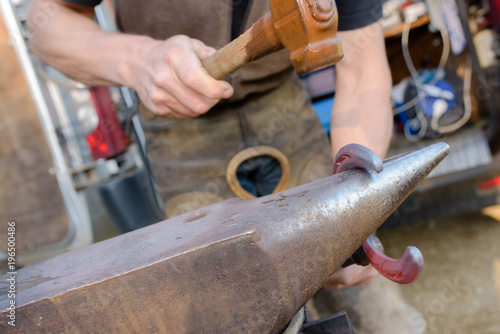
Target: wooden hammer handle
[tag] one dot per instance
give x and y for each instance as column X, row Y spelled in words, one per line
column 257, row 42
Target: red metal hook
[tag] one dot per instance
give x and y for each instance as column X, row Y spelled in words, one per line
column 404, row 270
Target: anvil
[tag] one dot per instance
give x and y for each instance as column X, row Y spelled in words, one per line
column 231, row 267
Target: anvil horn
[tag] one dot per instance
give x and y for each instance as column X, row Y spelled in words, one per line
column 232, row 267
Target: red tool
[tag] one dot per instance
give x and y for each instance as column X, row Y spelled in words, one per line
column 403, row 271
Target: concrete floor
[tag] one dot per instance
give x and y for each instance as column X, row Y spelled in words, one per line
column 459, row 289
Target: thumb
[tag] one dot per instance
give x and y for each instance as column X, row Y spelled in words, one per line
column 202, row 51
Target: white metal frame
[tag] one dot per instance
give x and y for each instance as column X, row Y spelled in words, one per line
column 80, row 227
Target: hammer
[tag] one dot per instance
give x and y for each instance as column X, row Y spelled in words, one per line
column 306, row 28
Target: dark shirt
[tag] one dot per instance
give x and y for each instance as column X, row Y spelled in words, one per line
column 240, row 8
column 358, row 14
column 352, row 14
column 213, row 23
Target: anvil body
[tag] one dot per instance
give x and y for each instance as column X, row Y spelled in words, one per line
column 232, row 267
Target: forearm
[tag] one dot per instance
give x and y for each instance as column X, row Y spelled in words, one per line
column 168, row 75
column 362, row 111
column 362, row 115
column 74, row 44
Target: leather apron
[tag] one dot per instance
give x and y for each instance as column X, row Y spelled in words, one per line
column 189, row 157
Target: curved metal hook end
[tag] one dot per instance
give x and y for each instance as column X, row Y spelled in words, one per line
column 354, row 156
column 403, row 271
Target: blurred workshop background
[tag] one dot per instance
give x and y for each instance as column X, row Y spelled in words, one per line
column 67, row 181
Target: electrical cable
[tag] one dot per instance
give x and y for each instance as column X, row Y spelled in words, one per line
column 421, row 121
column 467, row 103
column 418, row 84
column 440, row 70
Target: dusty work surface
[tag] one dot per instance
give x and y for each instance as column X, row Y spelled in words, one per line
column 458, row 292
column 29, row 194
column 459, row 288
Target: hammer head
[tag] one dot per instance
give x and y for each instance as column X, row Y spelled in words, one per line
column 308, row 29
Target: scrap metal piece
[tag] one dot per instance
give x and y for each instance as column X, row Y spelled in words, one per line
column 231, row 267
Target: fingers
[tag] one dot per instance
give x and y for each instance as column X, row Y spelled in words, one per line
column 180, row 85
column 352, row 275
column 203, row 51
column 189, row 70
column 171, row 94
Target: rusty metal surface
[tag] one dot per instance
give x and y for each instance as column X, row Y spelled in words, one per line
column 232, row 267
column 403, row 271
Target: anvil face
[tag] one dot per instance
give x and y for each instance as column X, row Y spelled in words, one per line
column 235, row 266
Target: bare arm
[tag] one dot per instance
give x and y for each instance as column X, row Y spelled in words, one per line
column 362, row 110
column 167, row 75
column 361, row 113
